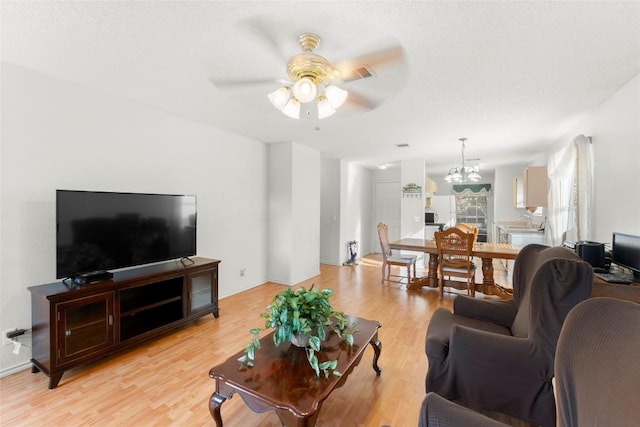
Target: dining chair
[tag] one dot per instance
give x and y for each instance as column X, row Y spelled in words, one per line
column 468, row 229
column 389, row 259
column 455, row 257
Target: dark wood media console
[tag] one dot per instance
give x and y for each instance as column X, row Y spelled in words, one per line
column 72, row 325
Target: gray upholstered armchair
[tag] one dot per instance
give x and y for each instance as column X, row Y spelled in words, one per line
column 596, row 366
column 499, row 355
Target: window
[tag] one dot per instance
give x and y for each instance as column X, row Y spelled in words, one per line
column 472, row 210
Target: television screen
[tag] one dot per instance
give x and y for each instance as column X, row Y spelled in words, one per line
column 626, row 252
column 104, row 230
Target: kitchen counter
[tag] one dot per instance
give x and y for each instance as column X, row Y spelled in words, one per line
column 432, row 227
column 517, row 228
column 524, row 231
column 517, row 234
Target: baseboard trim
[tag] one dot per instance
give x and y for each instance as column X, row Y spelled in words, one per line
column 15, row 369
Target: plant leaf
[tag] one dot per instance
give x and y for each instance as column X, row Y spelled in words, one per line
column 314, row 364
column 314, row 343
column 325, row 365
column 349, row 338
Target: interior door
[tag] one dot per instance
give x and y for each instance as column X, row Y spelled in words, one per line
column 387, row 210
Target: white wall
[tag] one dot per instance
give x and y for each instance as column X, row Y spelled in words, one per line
column 356, row 201
column 615, row 131
column 503, row 199
column 412, row 208
column 294, row 218
column 330, row 212
column 60, row 135
column 345, row 210
column 306, row 214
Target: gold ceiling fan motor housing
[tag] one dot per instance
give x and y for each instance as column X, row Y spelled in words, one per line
column 308, row 64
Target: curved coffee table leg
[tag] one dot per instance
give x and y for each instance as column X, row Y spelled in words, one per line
column 377, row 348
column 214, row 407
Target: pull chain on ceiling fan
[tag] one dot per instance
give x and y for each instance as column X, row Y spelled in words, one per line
column 313, row 79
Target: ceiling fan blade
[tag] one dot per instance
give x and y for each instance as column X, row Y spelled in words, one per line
column 363, row 66
column 239, row 83
column 359, row 101
column 259, row 27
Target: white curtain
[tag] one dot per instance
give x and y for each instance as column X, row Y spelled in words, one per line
column 570, row 197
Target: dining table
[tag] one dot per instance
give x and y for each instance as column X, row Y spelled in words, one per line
column 487, row 252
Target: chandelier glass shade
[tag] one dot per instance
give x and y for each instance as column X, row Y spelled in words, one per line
column 462, row 172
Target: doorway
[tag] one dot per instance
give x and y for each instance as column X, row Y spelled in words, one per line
column 386, row 209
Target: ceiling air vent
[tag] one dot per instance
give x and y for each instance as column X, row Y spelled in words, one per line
column 364, row 72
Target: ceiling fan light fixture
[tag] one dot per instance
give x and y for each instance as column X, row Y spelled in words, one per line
column 325, row 109
column 280, row 97
column 292, row 109
column 311, row 79
column 335, row 95
column 305, row 90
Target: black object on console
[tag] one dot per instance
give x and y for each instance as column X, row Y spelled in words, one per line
column 591, row 252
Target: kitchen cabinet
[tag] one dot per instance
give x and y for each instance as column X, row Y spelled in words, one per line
column 530, row 190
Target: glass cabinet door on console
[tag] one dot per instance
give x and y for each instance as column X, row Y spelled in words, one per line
column 85, row 326
column 203, row 291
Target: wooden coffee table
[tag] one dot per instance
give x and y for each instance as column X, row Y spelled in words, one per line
column 282, row 380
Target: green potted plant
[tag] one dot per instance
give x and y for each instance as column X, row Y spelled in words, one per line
column 304, row 318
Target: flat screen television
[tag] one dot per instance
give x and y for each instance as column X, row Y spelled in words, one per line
column 625, row 250
column 100, row 231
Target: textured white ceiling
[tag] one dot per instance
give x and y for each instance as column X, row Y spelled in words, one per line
column 513, row 77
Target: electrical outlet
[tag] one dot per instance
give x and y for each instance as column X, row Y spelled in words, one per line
column 5, row 340
column 243, row 272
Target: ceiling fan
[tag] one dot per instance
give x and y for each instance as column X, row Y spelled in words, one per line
column 314, row 85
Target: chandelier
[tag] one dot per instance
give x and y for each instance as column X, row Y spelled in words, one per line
column 312, row 79
column 461, row 172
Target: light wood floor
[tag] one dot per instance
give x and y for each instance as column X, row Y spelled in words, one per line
column 165, row 382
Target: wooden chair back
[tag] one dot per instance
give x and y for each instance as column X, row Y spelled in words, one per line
column 455, row 257
column 468, row 229
column 383, row 235
column 455, row 247
column 388, row 259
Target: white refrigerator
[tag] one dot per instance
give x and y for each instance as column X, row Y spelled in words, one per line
column 445, row 209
